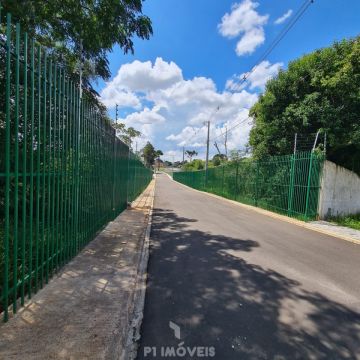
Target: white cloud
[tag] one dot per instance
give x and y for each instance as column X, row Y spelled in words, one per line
column 112, row 95
column 246, row 22
column 283, row 18
column 143, row 76
column 172, row 155
column 191, row 136
column 147, row 116
column 171, row 110
column 257, row 79
column 145, row 121
column 139, row 77
column 250, row 41
column 238, row 126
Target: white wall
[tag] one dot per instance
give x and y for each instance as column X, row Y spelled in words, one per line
column 340, row 191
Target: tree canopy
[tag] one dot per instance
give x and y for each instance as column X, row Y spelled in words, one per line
column 150, row 154
column 127, row 135
column 218, row 159
column 190, row 154
column 319, row 91
column 83, row 30
column 195, row 164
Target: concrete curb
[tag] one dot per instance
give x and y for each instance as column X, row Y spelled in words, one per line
column 276, row 216
column 133, row 334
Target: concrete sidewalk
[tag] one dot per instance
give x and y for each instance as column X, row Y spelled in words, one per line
column 89, row 310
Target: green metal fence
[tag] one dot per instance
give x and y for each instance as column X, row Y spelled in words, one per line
column 63, row 172
column 286, row 184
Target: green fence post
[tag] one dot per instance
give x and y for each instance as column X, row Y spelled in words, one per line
column 38, row 169
column 16, row 169
column 135, row 188
column 24, row 187
column 308, row 187
column 43, row 175
column 32, row 131
column 257, row 183
column 7, row 170
column 114, row 174
column 291, row 185
column 128, row 177
column 77, row 165
column 236, row 179
column 222, row 180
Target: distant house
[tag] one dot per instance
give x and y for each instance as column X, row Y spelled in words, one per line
column 158, row 163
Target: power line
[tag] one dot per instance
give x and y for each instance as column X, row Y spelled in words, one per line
column 300, row 12
column 196, row 130
column 232, row 128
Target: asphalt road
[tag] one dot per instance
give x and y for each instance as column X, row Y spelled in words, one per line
column 248, row 285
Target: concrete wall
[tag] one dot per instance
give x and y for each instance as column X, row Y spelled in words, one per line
column 340, row 191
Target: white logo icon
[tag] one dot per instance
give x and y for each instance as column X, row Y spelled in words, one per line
column 176, row 329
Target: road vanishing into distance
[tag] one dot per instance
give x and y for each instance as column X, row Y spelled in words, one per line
column 248, row 285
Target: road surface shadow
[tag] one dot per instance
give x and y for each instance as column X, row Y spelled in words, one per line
column 199, row 281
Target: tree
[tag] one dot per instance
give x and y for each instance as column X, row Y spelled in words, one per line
column 196, row 164
column 127, row 135
column 158, row 153
column 236, row 155
column 150, row 154
column 218, row 159
column 158, row 161
column 190, row 154
column 82, row 30
column 318, row 91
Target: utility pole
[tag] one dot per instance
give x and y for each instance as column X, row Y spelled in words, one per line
column 217, row 148
column 207, row 151
column 183, row 154
column 207, row 143
column 316, row 139
column 116, row 112
column 226, row 141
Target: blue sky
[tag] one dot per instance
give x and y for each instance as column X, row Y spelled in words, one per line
column 189, row 67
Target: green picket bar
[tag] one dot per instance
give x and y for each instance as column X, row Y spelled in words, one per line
column 63, row 172
column 285, row 184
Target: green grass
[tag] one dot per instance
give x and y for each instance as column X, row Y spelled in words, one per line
column 352, row 221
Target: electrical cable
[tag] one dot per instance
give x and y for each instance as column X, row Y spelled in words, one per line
column 300, row 12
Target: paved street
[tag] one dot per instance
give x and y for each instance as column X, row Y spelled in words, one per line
column 251, row 286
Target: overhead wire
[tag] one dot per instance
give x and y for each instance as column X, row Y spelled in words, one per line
column 299, row 13
column 294, row 19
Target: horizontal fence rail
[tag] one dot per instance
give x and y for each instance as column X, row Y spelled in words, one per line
column 63, row 172
column 285, row 184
